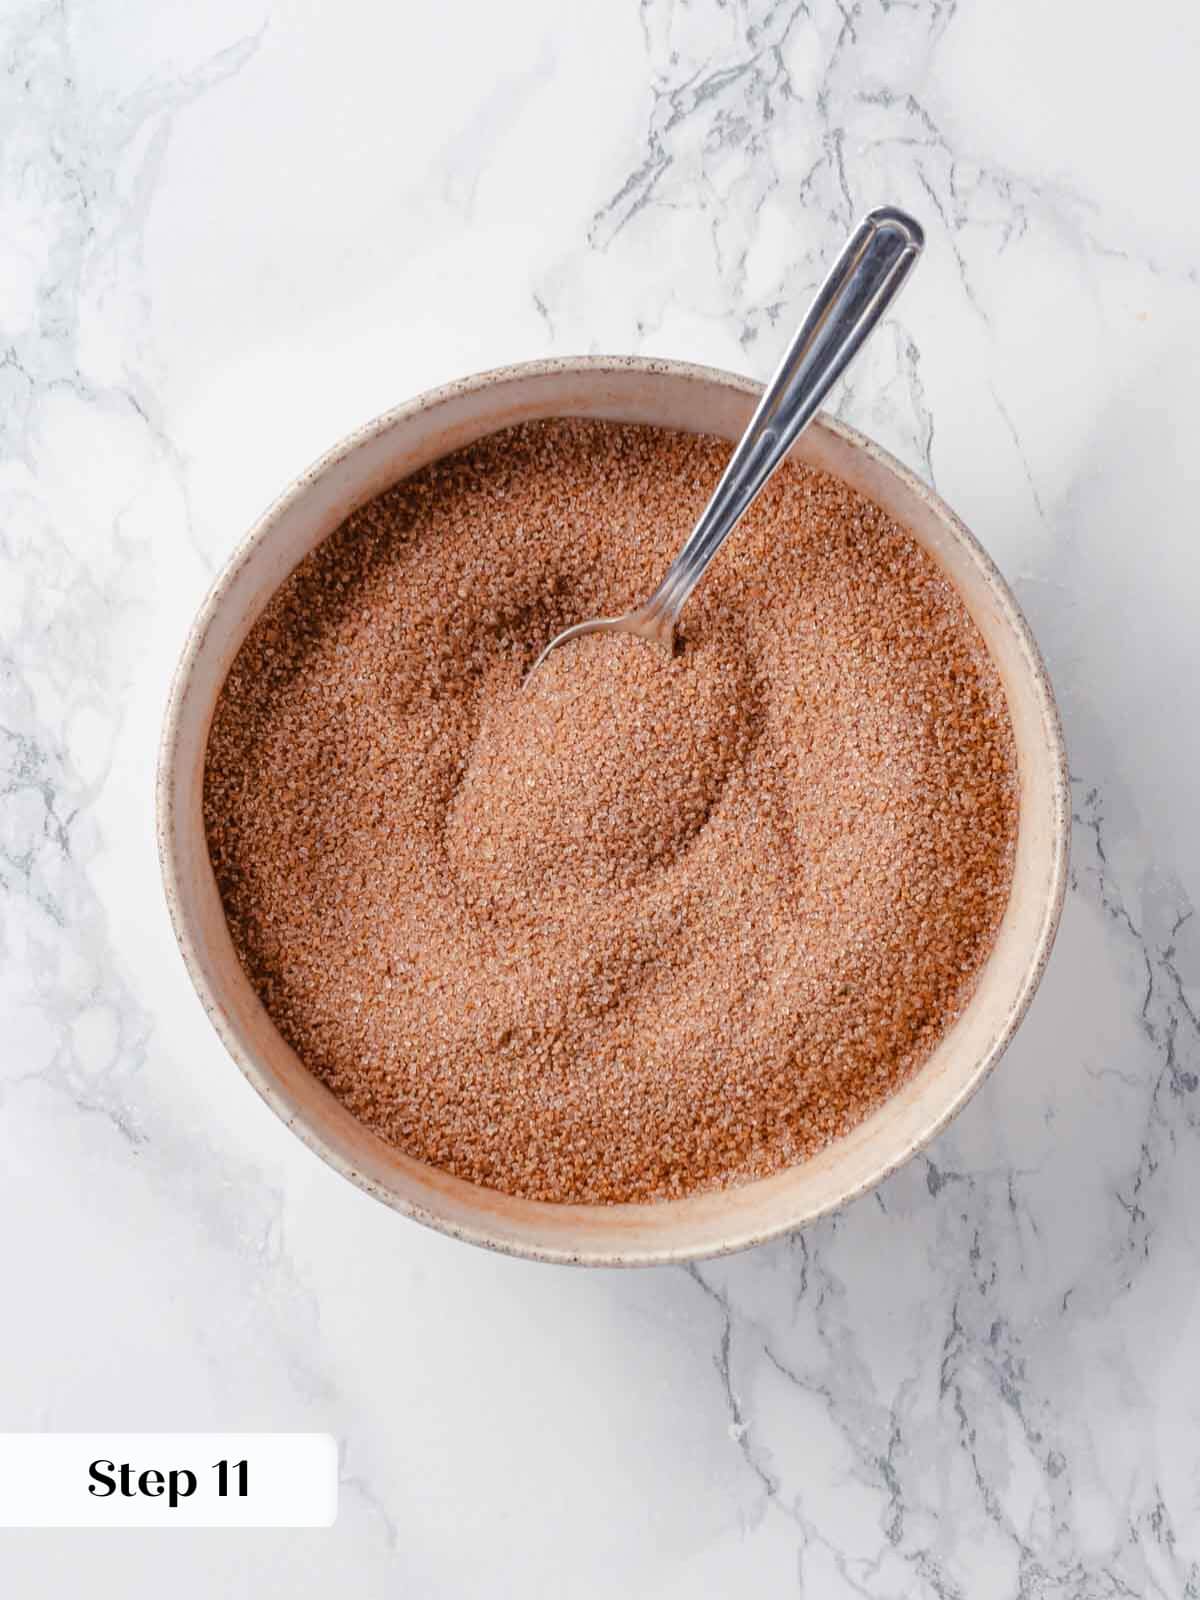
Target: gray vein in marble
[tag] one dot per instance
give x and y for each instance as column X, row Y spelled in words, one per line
column 738, row 1427
column 1021, row 456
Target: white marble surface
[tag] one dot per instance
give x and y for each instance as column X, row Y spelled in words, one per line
column 231, row 231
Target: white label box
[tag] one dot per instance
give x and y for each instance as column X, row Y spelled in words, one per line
column 168, row 1480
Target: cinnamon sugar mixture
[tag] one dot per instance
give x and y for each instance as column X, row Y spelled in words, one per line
column 645, row 926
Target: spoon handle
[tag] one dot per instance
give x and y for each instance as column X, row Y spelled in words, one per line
column 864, row 281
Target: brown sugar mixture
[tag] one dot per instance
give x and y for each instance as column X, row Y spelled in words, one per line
column 647, row 925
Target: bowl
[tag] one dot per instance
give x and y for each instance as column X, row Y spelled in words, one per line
column 676, row 395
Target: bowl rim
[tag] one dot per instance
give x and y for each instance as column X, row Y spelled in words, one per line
column 168, row 802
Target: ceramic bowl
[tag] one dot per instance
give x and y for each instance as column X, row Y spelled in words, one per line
column 678, row 396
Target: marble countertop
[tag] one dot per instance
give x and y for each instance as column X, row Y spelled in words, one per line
column 229, row 234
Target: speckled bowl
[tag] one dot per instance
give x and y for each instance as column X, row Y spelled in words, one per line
column 675, row 395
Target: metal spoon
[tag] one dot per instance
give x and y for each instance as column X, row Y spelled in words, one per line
column 866, row 277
